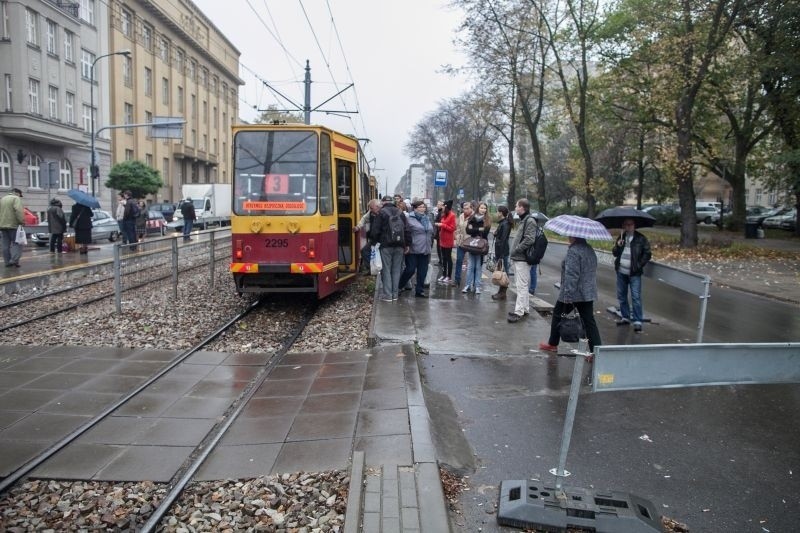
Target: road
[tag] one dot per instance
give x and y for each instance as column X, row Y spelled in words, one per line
column 716, row 458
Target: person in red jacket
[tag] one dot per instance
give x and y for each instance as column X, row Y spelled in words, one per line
column 447, row 229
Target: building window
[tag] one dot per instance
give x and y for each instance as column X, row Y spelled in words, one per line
column 224, row 151
column 214, row 86
column 225, row 92
column 163, row 49
column 128, row 154
column 32, row 26
column 180, row 99
column 127, row 71
column 68, row 56
column 33, row 96
column 148, row 118
column 224, row 121
column 205, row 142
column 180, row 60
column 8, row 92
column 192, row 69
column 87, row 118
column 215, row 118
column 65, row 175
column 87, row 59
column 759, row 192
column 52, row 34
column 128, row 117
column 69, row 109
column 165, row 91
column 194, row 138
column 194, row 106
column 148, row 82
column 126, row 22
column 147, row 37
column 34, row 172
column 205, row 112
column 87, row 11
column 4, row 22
column 5, row 169
column 148, row 160
column 52, row 101
column 204, row 79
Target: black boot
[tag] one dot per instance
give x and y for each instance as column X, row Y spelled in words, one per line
column 501, row 294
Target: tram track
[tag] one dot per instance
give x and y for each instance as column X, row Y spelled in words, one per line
column 213, row 436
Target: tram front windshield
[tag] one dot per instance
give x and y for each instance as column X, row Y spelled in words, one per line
column 275, row 172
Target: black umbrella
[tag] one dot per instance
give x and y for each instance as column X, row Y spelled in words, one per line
column 615, row 216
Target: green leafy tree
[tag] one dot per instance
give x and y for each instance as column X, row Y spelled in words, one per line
column 136, row 177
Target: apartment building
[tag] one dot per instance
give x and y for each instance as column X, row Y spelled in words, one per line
column 180, row 66
column 46, row 52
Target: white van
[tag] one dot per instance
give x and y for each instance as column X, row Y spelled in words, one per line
column 715, row 205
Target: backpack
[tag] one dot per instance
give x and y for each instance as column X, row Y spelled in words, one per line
column 535, row 252
column 397, row 227
column 135, row 210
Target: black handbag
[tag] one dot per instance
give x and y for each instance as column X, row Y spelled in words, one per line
column 570, row 326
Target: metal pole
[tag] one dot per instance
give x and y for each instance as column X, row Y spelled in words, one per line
column 703, row 307
column 572, row 405
column 117, row 278
column 212, row 245
column 307, row 103
column 174, row 268
column 94, row 172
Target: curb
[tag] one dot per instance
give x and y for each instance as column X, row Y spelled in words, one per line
column 352, row 516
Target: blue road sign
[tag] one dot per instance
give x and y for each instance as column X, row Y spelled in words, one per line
column 440, row 178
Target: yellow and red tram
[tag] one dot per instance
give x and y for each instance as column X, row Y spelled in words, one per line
column 298, row 192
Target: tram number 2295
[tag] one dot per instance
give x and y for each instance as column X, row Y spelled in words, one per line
column 276, row 243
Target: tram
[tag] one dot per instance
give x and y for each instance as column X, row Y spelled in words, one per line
column 298, row 192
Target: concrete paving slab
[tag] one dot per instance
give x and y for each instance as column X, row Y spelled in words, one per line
column 89, row 352
column 247, row 359
column 263, row 430
column 9, row 418
column 331, row 385
column 17, row 452
column 297, row 371
column 209, row 388
column 187, row 371
column 43, row 427
column 10, row 360
column 316, row 358
column 117, row 430
column 10, row 380
column 331, row 403
column 188, row 407
column 80, row 403
column 359, row 356
column 14, row 351
column 284, row 387
column 40, row 364
column 237, row 462
column 383, row 422
column 384, row 399
column 109, row 383
column 155, row 463
column 233, row 373
column 175, row 432
column 273, row 406
column 313, row 456
column 174, row 384
column 323, row 426
column 147, row 404
column 59, row 381
column 88, row 366
column 329, row 370
column 206, row 358
column 27, row 400
column 153, row 355
column 143, row 369
column 78, row 461
column 385, row 449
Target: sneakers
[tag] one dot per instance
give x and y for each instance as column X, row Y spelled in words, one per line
column 513, row 317
column 386, row 299
column 623, row 322
column 465, row 289
column 477, row 290
column 440, row 279
column 543, row 346
column 637, row 327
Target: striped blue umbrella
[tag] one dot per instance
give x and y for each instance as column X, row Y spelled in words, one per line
column 580, row 227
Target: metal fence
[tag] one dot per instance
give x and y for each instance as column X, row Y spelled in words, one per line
column 167, row 258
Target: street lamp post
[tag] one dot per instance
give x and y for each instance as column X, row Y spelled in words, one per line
column 94, row 171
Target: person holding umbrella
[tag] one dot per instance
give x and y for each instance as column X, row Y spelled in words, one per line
column 81, row 219
column 631, row 253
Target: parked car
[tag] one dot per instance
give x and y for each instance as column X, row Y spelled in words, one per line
column 31, row 218
column 165, row 208
column 104, row 228
column 156, row 222
column 665, row 215
column 789, row 224
column 706, row 214
column 758, row 218
column 776, row 220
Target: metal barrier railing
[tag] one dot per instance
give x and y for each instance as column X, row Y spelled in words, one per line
column 162, row 258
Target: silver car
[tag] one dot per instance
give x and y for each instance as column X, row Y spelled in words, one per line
column 104, row 228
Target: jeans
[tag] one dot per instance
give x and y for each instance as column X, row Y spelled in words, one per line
column 534, row 278
column 122, row 234
column 447, row 262
column 11, row 250
column 457, row 267
column 586, row 311
column 522, row 271
column 474, row 266
column 506, row 264
column 187, row 229
column 393, row 260
column 416, row 263
column 635, row 283
column 129, row 230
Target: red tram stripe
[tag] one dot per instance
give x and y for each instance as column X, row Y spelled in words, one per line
column 345, row 147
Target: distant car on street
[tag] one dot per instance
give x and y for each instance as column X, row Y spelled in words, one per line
column 757, row 214
column 104, row 228
column 775, row 221
column 706, row 214
column 165, row 208
column 156, row 222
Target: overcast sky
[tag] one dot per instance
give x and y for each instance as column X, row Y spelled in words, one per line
column 393, row 51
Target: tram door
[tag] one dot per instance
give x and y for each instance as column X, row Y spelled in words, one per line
column 345, row 202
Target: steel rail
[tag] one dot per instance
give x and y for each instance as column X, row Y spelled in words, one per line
column 23, row 470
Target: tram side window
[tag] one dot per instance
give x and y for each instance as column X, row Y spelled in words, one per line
column 325, row 176
column 344, row 185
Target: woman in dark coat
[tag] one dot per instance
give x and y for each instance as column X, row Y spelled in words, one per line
column 81, row 220
column 501, row 247
column 56, row 225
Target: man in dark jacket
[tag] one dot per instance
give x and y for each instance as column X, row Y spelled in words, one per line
column 390, row 230
column 189, row 216
column 631, row 254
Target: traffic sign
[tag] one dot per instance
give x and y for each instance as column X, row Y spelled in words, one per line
column 440, row 178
